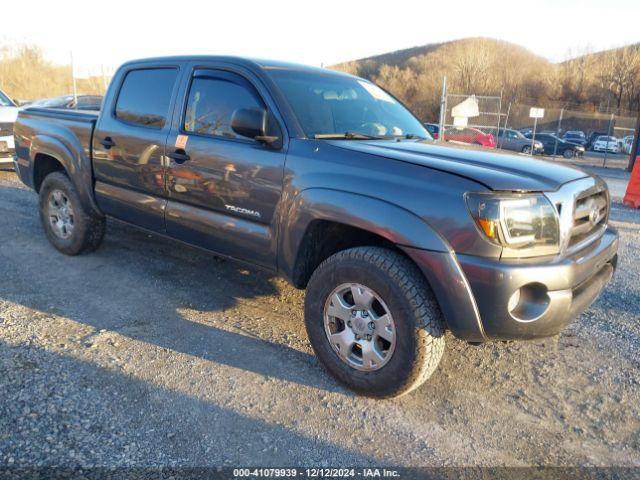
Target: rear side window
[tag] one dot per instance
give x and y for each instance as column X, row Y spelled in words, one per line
column 212, row 100
column 145, row 96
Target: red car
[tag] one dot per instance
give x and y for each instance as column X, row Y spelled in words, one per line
column 470, row 135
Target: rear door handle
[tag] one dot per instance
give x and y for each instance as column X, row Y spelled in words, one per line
column 179, row 156
column 107, row 143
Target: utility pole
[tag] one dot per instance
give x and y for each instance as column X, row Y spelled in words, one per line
column 606, row 148
column 533, row 135
column 443, row 109
column 73, row 78
column 555, row 147
column 499, row 111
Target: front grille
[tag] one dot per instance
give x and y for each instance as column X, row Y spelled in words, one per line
column 583, row 208
column 6, row 129
column 590, row 215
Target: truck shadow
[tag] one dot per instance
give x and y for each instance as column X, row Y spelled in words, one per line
column 165, row 426
column 160, row 292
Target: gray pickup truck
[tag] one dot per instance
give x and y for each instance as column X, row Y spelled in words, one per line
column 329, row 181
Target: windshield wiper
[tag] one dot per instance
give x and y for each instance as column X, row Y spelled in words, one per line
column 409, row 136
column 346, row 136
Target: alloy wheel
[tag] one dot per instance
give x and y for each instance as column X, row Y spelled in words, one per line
column 359, row 326
column 61, row 215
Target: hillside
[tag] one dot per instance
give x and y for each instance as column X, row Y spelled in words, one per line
column 484, row 66
column 26, row 75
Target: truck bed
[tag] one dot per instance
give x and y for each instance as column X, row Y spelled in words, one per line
column 79, row 123
column 62, row 134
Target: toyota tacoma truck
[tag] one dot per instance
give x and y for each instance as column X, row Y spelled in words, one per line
column 329, row 181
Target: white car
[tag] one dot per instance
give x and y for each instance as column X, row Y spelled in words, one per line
column 606, row 144
column 8, row 115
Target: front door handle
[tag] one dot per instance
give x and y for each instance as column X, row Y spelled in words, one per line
column 108, row 143
column 179, row 156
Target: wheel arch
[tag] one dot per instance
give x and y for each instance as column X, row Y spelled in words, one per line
column 322, row 222
column 318, row 217
column 48, row 154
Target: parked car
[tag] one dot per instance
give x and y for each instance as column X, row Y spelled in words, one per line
column 553, row 145
column 627, row 144
column 8, row 115
column 433, row 129
column 84, row 102
column 591, row 139
column 513, row 140
column 605, row 143
column 396, row 239
column 575, row 136
column 469, row 135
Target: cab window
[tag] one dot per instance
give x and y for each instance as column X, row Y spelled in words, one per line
column 213, row 98
column 145, row 96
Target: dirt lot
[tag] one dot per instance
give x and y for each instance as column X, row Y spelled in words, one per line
column 151, row 353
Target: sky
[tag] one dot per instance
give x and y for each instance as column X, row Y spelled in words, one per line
column 109, row 32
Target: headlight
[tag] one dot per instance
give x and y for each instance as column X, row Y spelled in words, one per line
column 516, row 220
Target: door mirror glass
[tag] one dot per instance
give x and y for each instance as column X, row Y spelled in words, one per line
column 249, row 122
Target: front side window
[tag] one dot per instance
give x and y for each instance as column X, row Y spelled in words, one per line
column 327, row 103
column 145, row 96
column 213, row 98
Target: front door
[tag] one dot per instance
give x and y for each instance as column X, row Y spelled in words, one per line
column 223, row 188
column 128, row 146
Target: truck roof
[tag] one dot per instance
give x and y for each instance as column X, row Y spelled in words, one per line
column 256, row 63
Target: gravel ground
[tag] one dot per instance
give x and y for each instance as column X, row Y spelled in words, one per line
column 149, row 353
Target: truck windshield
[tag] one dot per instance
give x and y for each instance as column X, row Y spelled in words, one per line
column 332, row 106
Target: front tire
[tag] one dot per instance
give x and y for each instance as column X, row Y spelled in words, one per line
column 373, row 321
column 526, row 149
column 568, row 153
column 67, row 224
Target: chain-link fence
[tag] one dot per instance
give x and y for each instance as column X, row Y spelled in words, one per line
column 488, row 111
column 473, row 118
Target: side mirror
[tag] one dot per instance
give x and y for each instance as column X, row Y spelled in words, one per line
column 251, row 123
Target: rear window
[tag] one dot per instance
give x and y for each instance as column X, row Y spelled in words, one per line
column 145, row 96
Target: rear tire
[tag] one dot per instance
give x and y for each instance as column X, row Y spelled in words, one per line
column 67, row 224
column 414, row 329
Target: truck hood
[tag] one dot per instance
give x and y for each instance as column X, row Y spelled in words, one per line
column 493, row 169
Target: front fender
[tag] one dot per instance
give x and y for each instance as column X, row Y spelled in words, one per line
column 389, row 221
column 77, row 165
column 412, row 234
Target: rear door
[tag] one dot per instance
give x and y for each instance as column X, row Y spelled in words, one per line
column 224, row 189
column 129, row 143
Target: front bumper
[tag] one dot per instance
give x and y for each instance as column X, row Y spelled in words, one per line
column 476, row 294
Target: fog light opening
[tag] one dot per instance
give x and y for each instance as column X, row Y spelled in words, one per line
column 529, row 302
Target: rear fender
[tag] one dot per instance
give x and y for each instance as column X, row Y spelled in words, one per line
column 77, row 166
